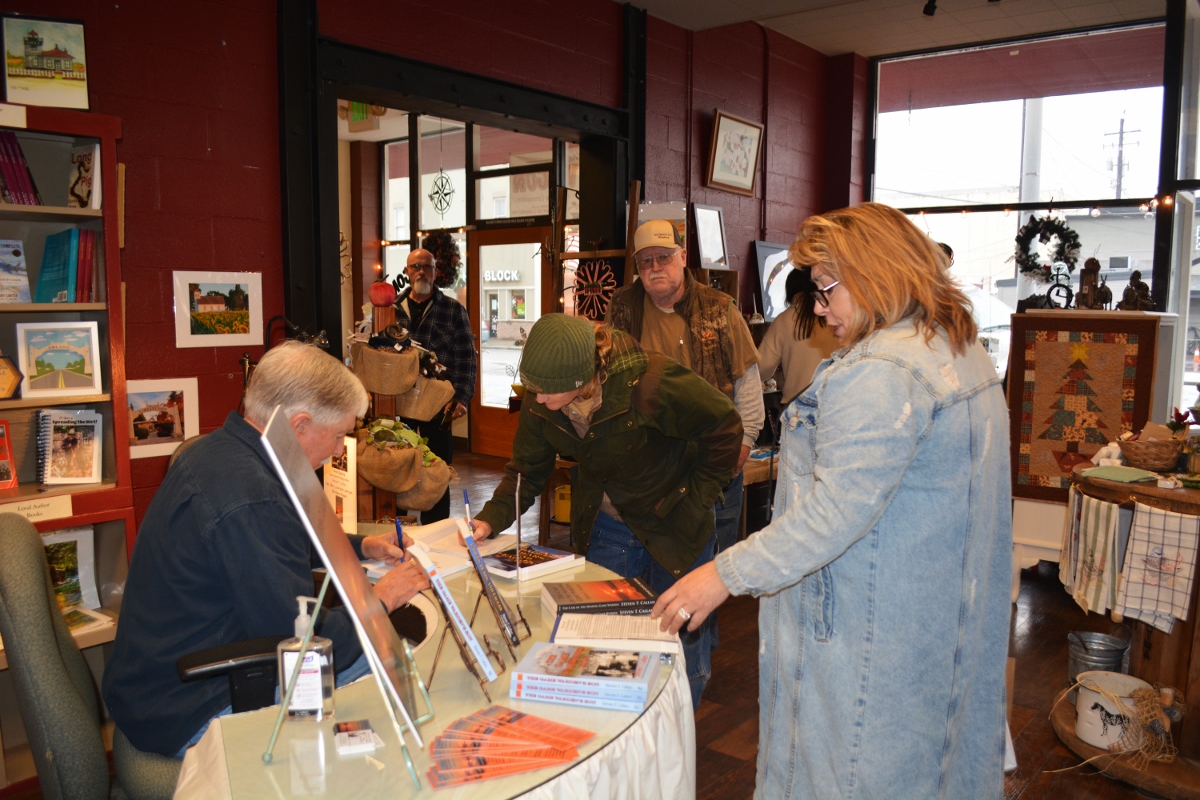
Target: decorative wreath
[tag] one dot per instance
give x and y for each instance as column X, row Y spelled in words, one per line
column 594, row 285
column 446, row 255
column 1067, row 250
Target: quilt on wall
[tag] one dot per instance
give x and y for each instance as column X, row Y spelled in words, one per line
column 1078, row 382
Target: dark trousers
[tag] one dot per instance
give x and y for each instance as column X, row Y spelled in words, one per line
column 441, row 442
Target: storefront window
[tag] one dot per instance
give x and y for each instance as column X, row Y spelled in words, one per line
column 510, row 302
column 443, row 173
column 515, row 192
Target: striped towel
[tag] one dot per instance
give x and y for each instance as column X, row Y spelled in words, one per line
column 1094, row 555
column 1160, row 564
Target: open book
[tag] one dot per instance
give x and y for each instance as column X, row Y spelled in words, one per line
column 439, row 540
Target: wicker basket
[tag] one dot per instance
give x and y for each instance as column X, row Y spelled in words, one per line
column 1153, row 454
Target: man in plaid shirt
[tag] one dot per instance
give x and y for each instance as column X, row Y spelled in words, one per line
column 439, row 323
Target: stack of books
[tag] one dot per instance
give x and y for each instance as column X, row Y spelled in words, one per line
column 536, row 561
column 500, row 741
column 619, row 680
column 16, row 181
column 68, row 271
column 620, row 596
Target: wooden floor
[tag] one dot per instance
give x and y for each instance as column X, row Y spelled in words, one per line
column 727, row 721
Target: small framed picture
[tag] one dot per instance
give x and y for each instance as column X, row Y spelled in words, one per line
column 59, row 359
column 46, row 63
column 733, row 154
column 218, row 309
column 10, row 378
column 773, row 269
column 710, row 235
column 162, row 413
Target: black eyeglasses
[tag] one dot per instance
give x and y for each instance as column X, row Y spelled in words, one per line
column 821, row 296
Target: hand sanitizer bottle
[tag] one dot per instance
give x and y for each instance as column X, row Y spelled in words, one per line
column 312, row 699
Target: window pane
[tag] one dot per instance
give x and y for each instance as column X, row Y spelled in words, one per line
column 499, row 148
column 514, row 196
column 1189, row 117
column 1188, row 264
column 572, row 180
column 443, row 174
column 395, row 201
column 510, row 302
column 566, row 303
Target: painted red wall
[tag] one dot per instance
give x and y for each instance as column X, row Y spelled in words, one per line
column 195, row 85
column 729, row 67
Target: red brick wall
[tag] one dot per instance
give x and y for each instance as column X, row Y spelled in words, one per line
column 195, row 85
column 729, row 67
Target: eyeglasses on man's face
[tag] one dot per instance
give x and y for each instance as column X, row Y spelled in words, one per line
column 821, row 296
column 419, row 267
column 647, row 262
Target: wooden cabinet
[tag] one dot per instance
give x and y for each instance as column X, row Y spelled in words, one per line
column 107, row 506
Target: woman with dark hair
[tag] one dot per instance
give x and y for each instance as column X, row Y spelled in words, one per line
column 797, row 340
column 885, row 574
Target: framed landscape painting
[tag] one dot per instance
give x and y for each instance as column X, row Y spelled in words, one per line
column 1076, row 382
column 58, row 359
column 162, row 413
column 218, row 309
column 45, row 62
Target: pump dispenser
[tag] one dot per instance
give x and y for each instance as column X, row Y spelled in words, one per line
column 312, row 699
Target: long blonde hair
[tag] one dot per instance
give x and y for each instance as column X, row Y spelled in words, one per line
column 890, row 269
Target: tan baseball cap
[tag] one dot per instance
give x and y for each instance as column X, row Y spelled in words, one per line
column 655, row 233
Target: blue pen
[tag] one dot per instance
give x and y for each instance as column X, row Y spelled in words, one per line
column 400, row 540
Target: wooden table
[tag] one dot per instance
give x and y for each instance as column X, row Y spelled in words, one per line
column 1156, row 657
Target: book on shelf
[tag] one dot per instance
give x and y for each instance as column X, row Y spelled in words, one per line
column 613, row 631
column 82, row 620
column 83, row 183
column 83, row 266
column 618, row 596
column 8, row 468
column 585, row 675
column 71, row 558
column 10, row 151
column 56, row 278
column 69, row 446
column 14, row 274
column 536, row 560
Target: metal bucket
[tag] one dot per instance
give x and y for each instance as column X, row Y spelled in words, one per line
column 1087, row 651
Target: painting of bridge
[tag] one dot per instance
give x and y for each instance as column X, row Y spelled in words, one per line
column 59, row 359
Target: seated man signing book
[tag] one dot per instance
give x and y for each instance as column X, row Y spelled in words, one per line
column 222, row 554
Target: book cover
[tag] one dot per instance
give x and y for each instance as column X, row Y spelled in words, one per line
column 457, row 618
column 504, row 615
column 551, row 685
column 85, row 159
column 57, row 272
column 16, row 156
column 71, row 556
column 613, row 631
column 69, row 444
column 535, row 560
column 606, row 703
column 81, row 620
column 589, row 667
column 620, row 596
column 10, row 166
column 83, row 267
column 8, row 468
column 14, row 275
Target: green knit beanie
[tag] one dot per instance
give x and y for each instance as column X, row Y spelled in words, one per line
column 560, row 354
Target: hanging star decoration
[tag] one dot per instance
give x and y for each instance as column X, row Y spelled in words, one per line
column 442, row 193
column 594, row 285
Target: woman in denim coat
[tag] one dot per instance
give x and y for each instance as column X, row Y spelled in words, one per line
column 885, row 575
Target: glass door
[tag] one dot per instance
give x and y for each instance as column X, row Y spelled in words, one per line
column 506, row 296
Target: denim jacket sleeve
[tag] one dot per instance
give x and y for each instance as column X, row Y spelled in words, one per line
column 864, row 422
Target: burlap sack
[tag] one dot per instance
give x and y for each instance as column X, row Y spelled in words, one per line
column 384, row 372
column 392, row 468
column 425, row 400
column 431, row 485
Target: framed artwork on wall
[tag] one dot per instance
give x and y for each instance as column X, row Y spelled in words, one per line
column 59, row 359
column 162, row 413
column 1077, row 381
column 733, row 153
column 773, row 269
column 710, row 236
column 218, row 309
column 46, row 63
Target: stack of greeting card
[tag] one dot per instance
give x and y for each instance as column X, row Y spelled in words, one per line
column 499, row 741
column 619, row 680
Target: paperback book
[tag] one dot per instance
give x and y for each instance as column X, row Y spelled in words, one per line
column 56, row 277
column 81, row 620
column 14, row 275
column 585, row 676
column 71, row 557
column 613, row 631
column 8, row 468
column 536, row 561
column 83, row 183
column 620, row 596
column 69, row 446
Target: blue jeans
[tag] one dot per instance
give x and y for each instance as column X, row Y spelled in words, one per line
column 615, row 547
column 349, row 675
column 729, row 513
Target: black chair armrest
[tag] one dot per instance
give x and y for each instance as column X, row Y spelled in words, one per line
column 250, row 665
column 216, row 661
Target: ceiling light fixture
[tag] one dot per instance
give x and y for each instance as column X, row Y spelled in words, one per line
column 930, row 8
